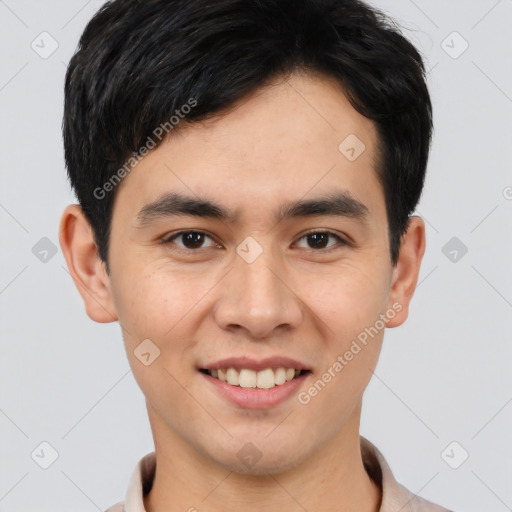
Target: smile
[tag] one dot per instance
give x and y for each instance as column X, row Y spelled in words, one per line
column 247, row 378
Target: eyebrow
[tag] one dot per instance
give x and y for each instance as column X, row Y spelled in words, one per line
column 173, row 204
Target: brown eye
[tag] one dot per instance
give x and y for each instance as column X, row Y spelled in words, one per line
column 319, row 240
column 190, row 240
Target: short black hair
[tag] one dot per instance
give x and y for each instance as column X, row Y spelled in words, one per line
column 138, row 63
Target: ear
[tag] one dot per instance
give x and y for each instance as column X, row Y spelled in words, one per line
column 85, row 266
column 406, row 271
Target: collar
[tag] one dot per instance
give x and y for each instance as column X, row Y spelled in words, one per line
column 395, row 497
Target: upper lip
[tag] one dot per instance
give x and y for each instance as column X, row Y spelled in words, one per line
column 256, row 364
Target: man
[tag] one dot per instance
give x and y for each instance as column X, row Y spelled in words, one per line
column 246, row 173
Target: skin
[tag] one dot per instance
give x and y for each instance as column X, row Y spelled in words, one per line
column 294, row 300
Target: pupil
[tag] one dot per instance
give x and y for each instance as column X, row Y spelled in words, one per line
column 194, row 239
column 316, row 238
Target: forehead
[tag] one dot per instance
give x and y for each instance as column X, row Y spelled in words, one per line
column 292, row 138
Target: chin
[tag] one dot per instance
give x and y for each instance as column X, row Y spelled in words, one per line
column 259, row 459
column 263, row 467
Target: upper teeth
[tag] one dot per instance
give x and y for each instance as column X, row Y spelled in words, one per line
column 246, row 378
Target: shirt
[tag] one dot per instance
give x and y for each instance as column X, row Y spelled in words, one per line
column 395, row 497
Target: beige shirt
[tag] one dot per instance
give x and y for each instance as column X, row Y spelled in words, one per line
column 395, row 497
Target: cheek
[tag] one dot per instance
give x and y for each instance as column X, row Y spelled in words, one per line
column 150, row 302
column 156, row 306
column 166, row 306
column 349, row 297
column 350, row 303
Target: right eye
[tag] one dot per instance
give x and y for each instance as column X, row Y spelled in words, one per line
column 191, row 240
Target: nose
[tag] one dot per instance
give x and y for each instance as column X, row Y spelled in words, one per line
column 258, row 298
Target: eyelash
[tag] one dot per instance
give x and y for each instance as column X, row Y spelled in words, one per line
column 169, row 240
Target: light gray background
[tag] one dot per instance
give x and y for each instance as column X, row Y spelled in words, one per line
column 443, row 376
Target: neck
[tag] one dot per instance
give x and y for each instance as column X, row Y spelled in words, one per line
column 333, row 478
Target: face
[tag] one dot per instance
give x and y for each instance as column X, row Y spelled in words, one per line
column 290, row 290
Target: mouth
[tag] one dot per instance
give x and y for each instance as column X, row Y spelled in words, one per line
column 266, row 378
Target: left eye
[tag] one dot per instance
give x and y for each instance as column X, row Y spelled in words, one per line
column 319, row 239
column 193, row 240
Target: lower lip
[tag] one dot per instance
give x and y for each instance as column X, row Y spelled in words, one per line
column 255, row 398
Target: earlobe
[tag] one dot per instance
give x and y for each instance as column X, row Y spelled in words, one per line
column 85, row 266
column 406, row 271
